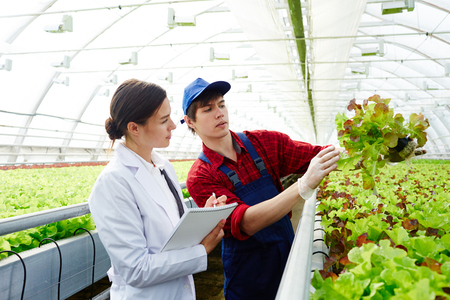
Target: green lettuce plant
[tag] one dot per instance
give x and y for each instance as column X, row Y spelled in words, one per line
column 374, row 134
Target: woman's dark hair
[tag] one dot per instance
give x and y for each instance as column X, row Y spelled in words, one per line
column 202, row 100
column 133, row 101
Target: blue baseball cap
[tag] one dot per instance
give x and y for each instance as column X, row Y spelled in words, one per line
column 198, row 86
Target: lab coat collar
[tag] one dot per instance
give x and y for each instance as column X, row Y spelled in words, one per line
column 143, row 176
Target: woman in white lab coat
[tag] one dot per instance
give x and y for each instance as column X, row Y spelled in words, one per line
column 133, row 207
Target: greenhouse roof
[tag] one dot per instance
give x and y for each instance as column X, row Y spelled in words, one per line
column 292, row 67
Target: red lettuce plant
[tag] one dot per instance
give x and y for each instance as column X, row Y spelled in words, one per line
column 374, row 134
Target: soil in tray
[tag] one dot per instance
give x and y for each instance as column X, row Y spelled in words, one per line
column 208, row 284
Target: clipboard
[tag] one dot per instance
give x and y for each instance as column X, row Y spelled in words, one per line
column 195, row 224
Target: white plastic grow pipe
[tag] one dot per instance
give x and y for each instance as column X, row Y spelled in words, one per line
column 22, row 222
column 296, row 281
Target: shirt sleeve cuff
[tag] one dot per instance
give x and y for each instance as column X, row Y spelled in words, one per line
column 200, row 252
column 236, row 219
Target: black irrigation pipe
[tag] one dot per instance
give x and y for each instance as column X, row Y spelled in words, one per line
column 24, row 270
column 321, row 253
column 322, row 241
column 60, row 263
column 93, row 259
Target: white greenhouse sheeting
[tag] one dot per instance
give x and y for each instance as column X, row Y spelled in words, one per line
column 55, row 88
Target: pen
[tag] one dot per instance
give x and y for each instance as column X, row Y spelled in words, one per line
column 214, row 194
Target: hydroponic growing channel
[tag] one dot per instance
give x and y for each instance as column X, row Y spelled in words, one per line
column 390, row 245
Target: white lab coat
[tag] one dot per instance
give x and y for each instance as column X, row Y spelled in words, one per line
column 134, row 219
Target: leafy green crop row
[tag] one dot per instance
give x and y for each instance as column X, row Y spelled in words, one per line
column 393, row 245
column 24, row 191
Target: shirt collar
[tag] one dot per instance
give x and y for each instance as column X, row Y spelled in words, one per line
column 217, row 159
column 157, row 159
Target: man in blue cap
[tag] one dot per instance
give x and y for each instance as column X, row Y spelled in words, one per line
column 247, row 167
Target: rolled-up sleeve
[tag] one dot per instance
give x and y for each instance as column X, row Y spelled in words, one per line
column 201, row 184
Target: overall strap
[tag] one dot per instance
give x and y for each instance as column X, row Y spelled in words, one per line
column 203, row 157
column 232, row 175
column 251, row 150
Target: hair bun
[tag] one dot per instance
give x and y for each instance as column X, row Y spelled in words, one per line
column 111, row 129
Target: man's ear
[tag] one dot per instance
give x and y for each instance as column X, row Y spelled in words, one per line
column 133, row 128
column 189, row 122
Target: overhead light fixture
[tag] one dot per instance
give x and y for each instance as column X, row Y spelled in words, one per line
column 235, row 75
column 362, row 69
column 61, row 81
column 261, row 99
column 66, row 25
column 168, row 77
column 112, row 79
column 173, row 20
column 64, row 63
column 447, row 69
column 430, row 86
column 7, row 66
column 133, row 60
column 219, row 56
column 410, row 97
column 105, row 93
column 396, row 7
column 371, row 51
column 246, row 89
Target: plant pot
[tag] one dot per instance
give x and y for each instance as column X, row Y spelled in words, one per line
column 402, row 142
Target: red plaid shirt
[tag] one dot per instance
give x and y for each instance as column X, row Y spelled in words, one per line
column 281, row 155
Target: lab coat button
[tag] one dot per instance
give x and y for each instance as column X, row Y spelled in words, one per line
column 187, row 287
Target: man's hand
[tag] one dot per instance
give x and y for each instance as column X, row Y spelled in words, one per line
column 320, row 166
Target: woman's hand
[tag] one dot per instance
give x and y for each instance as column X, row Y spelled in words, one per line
column 214, row 237
column 222, row 200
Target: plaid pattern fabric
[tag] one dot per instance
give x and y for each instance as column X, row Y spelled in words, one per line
column 281, row 155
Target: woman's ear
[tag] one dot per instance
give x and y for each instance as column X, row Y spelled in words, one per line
column 133, row 128
column 189, row 122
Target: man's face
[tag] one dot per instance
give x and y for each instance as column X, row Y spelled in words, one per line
column 211, row 120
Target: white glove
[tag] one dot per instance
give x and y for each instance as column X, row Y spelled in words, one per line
column 319, row 167
column 304, row 190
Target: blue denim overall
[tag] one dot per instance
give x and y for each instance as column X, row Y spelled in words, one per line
column 254, row 267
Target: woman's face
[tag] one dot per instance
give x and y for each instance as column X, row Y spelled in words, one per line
column 156, row 133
